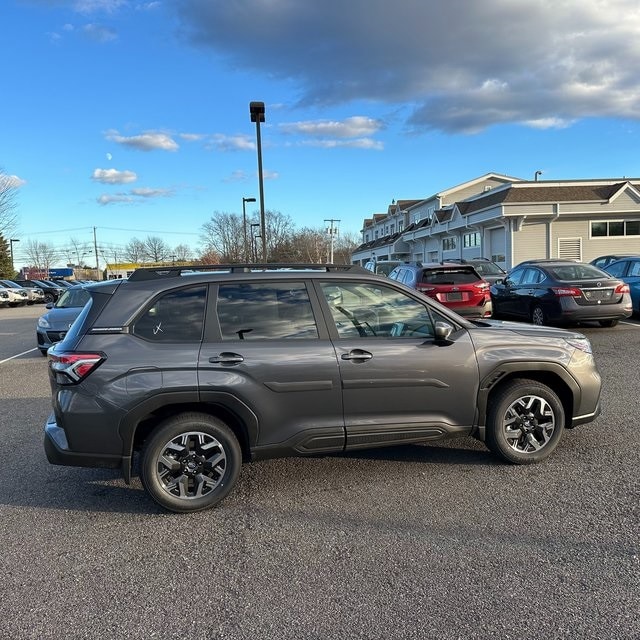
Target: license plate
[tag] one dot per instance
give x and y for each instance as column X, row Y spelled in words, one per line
column 594, row 295
column 453, row 297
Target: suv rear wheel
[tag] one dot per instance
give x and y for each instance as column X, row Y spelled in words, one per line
column 524, row 422
column 191, row 462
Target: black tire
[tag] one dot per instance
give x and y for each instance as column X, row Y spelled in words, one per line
column 205, row 460
column 607, row 323
column 49, row 297
column 538, row 414
column 538, row 315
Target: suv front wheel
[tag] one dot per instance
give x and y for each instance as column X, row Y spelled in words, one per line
column 524, row 422
column 191, row 462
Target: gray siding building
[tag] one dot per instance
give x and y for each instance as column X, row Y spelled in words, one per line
column 509, row 220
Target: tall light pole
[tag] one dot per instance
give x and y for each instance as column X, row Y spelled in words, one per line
column 244, row 227
column 256, row 110
column 11, row 241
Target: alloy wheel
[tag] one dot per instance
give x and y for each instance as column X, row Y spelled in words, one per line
column 529, row 424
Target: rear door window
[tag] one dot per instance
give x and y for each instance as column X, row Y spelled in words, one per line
column 265, row 311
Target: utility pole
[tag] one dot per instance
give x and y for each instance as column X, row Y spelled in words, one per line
column 95, row 248
column 333, row 232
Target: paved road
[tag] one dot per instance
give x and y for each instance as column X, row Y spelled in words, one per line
column 414, row 542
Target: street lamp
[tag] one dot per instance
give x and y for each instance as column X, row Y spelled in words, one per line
column 256, row 110
column 244, row 227
column 11, row 241
column 254, row 258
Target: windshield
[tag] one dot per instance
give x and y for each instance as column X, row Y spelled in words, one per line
column 488, row 269
column 73, row 298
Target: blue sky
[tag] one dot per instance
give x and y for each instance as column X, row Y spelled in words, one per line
column 133, row 117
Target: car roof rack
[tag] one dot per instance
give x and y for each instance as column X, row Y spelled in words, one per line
column 157, row 273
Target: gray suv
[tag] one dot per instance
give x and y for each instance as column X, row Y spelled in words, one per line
column 190, row 373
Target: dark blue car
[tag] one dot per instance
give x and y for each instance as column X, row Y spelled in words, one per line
column 628, row 270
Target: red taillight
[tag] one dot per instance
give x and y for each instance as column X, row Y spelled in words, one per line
column 483, row 286
column 623, row 288
column 567, row 291
column 73, row 367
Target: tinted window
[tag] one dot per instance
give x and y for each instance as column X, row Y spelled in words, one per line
column 635, row 269
column 532, row 276
column 265, row 311
column 450, row 276
column 515, row 277
column 375, row 311
column 576, row 272
column 72, row 298
column 617, row 269
column 177, row 316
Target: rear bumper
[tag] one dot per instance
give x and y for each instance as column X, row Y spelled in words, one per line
column 57, row 449
column 570, row 311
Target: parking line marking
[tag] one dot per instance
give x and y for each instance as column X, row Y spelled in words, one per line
column 17, row 355
column 630, row 324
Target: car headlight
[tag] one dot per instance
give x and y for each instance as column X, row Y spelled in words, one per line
column 43, row 323
column 580, row 343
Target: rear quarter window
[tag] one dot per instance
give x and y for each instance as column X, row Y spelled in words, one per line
column 177, row 316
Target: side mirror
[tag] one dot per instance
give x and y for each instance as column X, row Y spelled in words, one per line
column 443, row 331
column 49, row 305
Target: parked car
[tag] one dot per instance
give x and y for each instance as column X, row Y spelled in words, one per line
column 604, row 261
column 18, row 297
column 192, row 372
column 51, row 291
column 381, row 267
column 457, row 286
column 561, row 292
column 487, row 269
column 34, row 295
column 4, row 298
column 628, row 270
column 54, row 324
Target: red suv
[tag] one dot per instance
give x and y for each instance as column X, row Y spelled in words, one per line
column 457, row 286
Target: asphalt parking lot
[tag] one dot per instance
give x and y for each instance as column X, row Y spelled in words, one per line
column 438, row 541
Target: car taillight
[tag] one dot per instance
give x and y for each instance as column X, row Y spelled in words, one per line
column 567, row 291
column 483, row 286
column 71, row 368
column 425, row 289
column 623, row 288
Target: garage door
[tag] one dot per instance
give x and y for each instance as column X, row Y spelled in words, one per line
column 497, row 246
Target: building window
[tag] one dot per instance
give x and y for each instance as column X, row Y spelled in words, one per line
column 615, row 228
column 471, row 240
column 448, row 244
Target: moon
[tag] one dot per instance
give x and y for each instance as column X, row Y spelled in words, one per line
column 109, row 156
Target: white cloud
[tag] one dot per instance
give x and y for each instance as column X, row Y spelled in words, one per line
column 237, row 176
column 99, row 33
column 118, row 198
column 98, row 6
column 352, row 127
column 147, row 192
column 11, row 182
column 460, row 66
column 148, row 141
column 232, row 143
column 113, row 176
column 357, row 143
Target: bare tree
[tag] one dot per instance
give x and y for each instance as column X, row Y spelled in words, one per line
column 76, row 251
column 134, row 251
column 8, row 206
column 310, row 245
column 41, row 255
column 344, row 247
column 224, row 235
column 156, row 249
column 182, row 253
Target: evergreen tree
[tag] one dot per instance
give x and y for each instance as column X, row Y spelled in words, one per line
column 6, row 271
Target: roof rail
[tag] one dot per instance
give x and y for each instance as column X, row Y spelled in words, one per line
column 156, row 273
